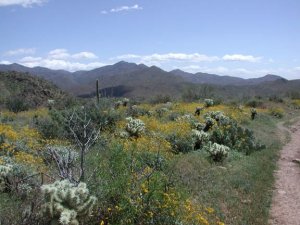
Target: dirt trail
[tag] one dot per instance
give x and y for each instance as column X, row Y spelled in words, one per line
column 285, row 209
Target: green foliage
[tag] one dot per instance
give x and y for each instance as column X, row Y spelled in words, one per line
column 66, row 203
column 254, row 103
column 133, row 188
column 181, row 144
column 15, row 104
column 52, row 126
column 135, row 111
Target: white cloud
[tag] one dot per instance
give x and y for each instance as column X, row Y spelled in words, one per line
column 62, row 53
column 126, row 8
column 239, row 57
column 122, row 8
column 196, row 57
column 127, row 56
column 59, row 53
column 84, row 55
column 23, row 3
column 60, row 64
column 5, row 62
column 157, row 58
column 297, row 69
column 30, row 59
column 61, row 59
column 20, row 51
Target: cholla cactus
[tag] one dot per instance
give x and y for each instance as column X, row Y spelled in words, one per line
column 125, row 102
column 198, row 111
column 209, row 122
column 217, row 152
column 253, row 113
column 197, row 125
column 214, row 114
column 208, row 102
column 185, row 117
column 161, row 111
column 219, row 117
column 135, row 127
column 200, row 138
column 118, row 104
column 65, row 202
column 4, row 172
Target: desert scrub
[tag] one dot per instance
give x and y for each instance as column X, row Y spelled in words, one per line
column 66, row 203
column 148, row 144
column 137, row 190
column 217, row 152
column 135, row 127
column 8, row 131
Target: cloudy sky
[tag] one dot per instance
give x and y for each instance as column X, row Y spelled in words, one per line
column 227, row 37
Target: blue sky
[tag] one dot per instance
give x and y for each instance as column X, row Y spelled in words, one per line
column 227, row 37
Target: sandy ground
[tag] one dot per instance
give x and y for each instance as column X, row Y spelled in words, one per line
column 285, row 209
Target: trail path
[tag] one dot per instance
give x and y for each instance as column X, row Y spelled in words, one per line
column 285, row 209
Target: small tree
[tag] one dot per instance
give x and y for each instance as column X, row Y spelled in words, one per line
column 85, row 133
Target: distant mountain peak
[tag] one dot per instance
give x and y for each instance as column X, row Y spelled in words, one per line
column 123, row 63
column 273, row 76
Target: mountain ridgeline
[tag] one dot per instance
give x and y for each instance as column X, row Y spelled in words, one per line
column 132, row 80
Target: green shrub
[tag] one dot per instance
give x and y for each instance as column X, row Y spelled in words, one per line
column 254, row 103
column 181, row 144
column 16, row 105
column 276, row 112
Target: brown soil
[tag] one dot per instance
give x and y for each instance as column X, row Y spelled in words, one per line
column 285, row 209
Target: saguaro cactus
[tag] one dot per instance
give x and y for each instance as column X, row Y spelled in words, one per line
column 97, row 91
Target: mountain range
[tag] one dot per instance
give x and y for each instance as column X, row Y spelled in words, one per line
column 139, row 80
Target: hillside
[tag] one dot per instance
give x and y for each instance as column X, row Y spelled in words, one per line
column 30, row 90
column 132, row 80
column 61, row 78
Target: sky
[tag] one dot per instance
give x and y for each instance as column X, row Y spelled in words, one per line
column 226, row 37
